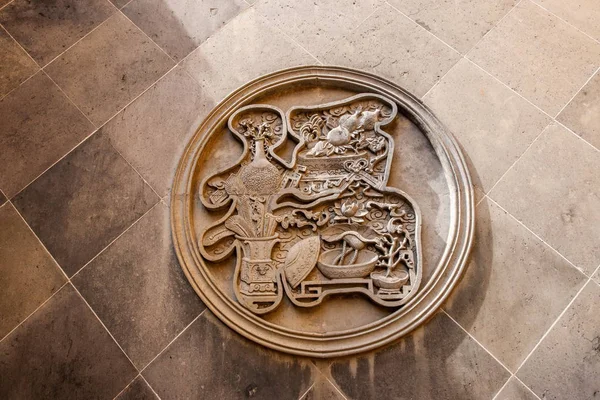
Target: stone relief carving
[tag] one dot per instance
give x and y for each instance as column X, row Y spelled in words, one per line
column 292, row 214
column 322, row 222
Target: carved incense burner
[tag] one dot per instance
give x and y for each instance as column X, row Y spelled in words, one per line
column 300, row 213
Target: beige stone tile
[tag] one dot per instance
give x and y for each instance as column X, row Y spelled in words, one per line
column 566, row 365
column 391, row 45
column 492, row 124
column 179, row 26
column 582, row 115
column 538, row 55
column 317, row 25
column 244, row 49
column 553, row 190
column 152, row 132
column 47, row 28
column 28, row 274
column 39, row 125
column 515, row 390
column 461, row 24
column 514, row 288
column 596, row 276
column 109, row 68
column 584, row 14
column 15, row 65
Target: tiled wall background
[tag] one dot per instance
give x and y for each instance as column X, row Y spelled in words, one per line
column 99, row 98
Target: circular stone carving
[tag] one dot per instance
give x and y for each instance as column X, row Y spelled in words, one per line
column 322, row 211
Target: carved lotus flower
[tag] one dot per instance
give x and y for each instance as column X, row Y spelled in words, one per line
column 350, row 210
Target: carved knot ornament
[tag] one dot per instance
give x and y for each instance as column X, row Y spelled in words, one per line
column 295, row 223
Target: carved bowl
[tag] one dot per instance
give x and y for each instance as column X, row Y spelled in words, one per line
column 389, row 282
column 365, row 264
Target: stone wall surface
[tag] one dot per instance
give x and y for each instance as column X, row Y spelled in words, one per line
column 97, row 102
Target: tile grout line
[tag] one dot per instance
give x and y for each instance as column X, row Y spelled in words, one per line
column 494, row 27
column 537, row 236
column 115, row 239
column 83, row 37
column 104, row 326
column 502, row 388
column 96, row 130
column 126, row 386
column 527, row 387
column 505, row 85
column 54, row 163
column 440, row 80
column 565, row 21
column 577, row 92
column 337, row 389
column 20, row 46
column 291, row 39
column 173, row 340
column 40, row 242
column 476, row 341
column 552, row 326
column 28, row 55
column 462, row 55
column 422, row 28
column 148, row 383
column 34, row 311
column 70, row 100
column 136, row 171
column 6, row 5
column 68, row 282
column 306, row 392
column 145, row 34
column 516, row 161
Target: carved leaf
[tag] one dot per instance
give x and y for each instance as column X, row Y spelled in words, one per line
column 301, row 259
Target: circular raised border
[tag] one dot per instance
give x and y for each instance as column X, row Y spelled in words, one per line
column 341, row 343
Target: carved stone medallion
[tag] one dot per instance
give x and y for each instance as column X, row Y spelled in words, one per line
column 294, row 216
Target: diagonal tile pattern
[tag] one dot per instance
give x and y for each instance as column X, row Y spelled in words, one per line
column 39, row 126
column 151, row 133
column 137, row 390
column 437, row 361
column 109, row 68
column 583, row 14
column 138, row 290
column 514, row 289
column 394, row 47
column 539, row 56
column 209, row 360
column 461, row 24
column 493, row 126
column 582, row 114
column 15, row 65
column 515, row 390
column 560, row 172
column 566, row 365
column 179, row 26
column 62, row 352
column 318, row 25
column 88, row 198
column 250, row 47
column 47, row 28
column 543, row 55
column 25, row 267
